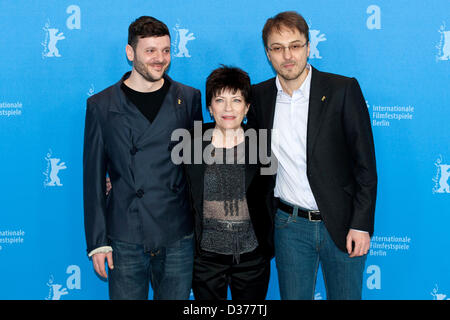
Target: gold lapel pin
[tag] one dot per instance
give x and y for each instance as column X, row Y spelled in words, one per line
column 179, row 101
column 323, row 98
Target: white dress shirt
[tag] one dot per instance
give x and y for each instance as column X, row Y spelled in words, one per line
column 289, row 145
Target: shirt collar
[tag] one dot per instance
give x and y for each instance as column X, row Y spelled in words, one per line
column 304, row 88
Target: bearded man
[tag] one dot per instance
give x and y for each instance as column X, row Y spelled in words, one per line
column 143, row 227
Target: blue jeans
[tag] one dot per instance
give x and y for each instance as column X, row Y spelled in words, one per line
column 168, row 269
column 300, row 245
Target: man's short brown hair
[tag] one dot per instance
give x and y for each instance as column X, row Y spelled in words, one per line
column 144, row 27
column 288, row 19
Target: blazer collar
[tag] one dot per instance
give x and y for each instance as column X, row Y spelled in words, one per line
column 121, row 104
column 118, row 105
column 142, row 129
column 271, row 99
column 318, row 99
column 304, row 88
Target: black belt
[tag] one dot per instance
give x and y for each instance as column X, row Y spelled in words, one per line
column 311, row 215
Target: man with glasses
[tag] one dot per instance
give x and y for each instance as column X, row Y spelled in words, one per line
column 323, row 194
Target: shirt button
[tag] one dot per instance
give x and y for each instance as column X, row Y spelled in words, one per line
column 140, row 193
column 134, row 150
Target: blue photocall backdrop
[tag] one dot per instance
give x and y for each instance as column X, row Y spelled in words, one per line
column 55, row 54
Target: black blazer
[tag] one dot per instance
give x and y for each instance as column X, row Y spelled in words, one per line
column 148, row 203
column 341, row 166
column 259, row 212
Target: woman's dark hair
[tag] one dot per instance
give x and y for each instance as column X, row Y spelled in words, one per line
column 230, row 78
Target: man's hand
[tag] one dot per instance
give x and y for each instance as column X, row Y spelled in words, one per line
column 361, row 240
column 98, row 260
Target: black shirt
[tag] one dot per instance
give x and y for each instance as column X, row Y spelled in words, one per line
column 148, row 103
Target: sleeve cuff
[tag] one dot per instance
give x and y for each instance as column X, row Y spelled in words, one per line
column 359, row 230
column 104, row 249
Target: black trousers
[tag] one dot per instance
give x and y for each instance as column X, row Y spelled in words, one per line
column 213, row 273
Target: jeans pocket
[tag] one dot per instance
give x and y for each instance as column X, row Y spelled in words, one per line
column 183, row 242
column 189, row 236
column 282, row 220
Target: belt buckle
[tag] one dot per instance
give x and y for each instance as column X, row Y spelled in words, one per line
column 310, row 215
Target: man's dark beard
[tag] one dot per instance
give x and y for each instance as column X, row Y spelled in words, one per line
column 142, row 70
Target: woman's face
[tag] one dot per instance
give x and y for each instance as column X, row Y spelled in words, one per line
column 228, row 109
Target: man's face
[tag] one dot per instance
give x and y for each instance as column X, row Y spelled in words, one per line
column 288, row 52
column 151, row 57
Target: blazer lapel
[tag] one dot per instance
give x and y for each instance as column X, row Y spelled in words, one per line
column 197, row 176
column 167, row 115
column 318, row 99
column 129, row 114
column 250, row 168
column 271, row 100
column 268, row 112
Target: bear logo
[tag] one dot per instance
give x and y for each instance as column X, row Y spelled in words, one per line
column 55, row 167
column 51, row 38
column 444, row 46
column 52, row 170
column 181, row 41
column 316, row 37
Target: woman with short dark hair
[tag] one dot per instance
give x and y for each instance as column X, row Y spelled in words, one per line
column 232, row 223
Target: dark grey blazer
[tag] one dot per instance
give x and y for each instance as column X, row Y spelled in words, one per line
column 341, row 166
column 148, row 203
